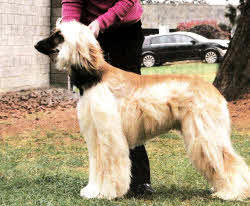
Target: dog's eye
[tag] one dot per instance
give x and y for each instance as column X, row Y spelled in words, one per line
column 59, row 38
column 56, row 39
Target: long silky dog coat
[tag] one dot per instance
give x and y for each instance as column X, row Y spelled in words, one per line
column 120, row 110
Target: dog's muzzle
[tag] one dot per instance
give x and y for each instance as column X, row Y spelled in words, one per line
column 44, row 50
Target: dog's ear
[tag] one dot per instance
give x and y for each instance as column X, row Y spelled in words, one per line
column 90, row 52
column 95, row 53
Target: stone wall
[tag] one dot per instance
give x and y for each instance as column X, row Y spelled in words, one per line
column 22, row 23
column 155, row 15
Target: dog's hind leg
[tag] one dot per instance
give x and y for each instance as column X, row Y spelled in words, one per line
column 109, row 163
column 207, row 139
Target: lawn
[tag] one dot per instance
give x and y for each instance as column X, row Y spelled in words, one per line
column 206, row 71
column 48, row 167
column 51, row 168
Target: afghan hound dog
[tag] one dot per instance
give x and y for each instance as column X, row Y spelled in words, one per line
column 121, row 110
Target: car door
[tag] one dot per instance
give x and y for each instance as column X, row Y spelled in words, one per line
column 164, row 47
column 186, row 47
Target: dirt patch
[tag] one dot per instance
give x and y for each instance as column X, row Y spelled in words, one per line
column 240, row 113
column 43, row 109
column 48, row 109
column 17, row 104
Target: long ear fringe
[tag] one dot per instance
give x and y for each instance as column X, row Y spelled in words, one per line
column 80, row 48
column 90, row 57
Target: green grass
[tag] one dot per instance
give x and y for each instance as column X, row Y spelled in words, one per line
column 51, row 169
column 206, row 71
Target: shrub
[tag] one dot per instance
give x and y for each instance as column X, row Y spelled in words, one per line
column 206, row 28
column 184, row 26
column 225, row 27
column 207, row 31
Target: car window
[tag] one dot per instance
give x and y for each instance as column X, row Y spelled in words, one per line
column 146, row 42
column 163, row 39
column 182, row 39
column 167, row 39
column 155, row 40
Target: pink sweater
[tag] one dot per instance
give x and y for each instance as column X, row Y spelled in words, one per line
column 107, row 12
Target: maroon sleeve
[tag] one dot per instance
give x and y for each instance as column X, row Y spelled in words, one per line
column 116, row 13
column 72, row 10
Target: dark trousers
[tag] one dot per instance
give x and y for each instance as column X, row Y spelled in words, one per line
column 122, row 48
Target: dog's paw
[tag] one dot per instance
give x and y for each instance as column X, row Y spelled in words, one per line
column 212, row 189
column 90, row 191
column 227, row 195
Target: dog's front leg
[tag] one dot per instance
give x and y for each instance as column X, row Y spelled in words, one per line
column 109, row 163
column 92, row 190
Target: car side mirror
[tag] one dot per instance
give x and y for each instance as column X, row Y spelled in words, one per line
column 193, row 42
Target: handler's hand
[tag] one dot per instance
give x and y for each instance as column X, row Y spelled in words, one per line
column 95, row 28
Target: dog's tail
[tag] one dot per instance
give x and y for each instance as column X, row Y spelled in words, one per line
column 207, row 140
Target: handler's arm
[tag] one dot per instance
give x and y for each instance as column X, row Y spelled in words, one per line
column 116, row 13
column 72, row 10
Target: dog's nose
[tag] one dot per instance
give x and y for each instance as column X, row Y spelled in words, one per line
column 36, row 46
column 40, row 47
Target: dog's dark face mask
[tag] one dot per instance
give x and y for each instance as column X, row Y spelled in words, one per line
column 49, row 45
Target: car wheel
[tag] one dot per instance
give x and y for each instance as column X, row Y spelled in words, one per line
column 148, row 60
column 211, row 57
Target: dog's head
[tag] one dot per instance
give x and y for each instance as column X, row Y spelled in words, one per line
column 49, row 45
column 72, row 44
